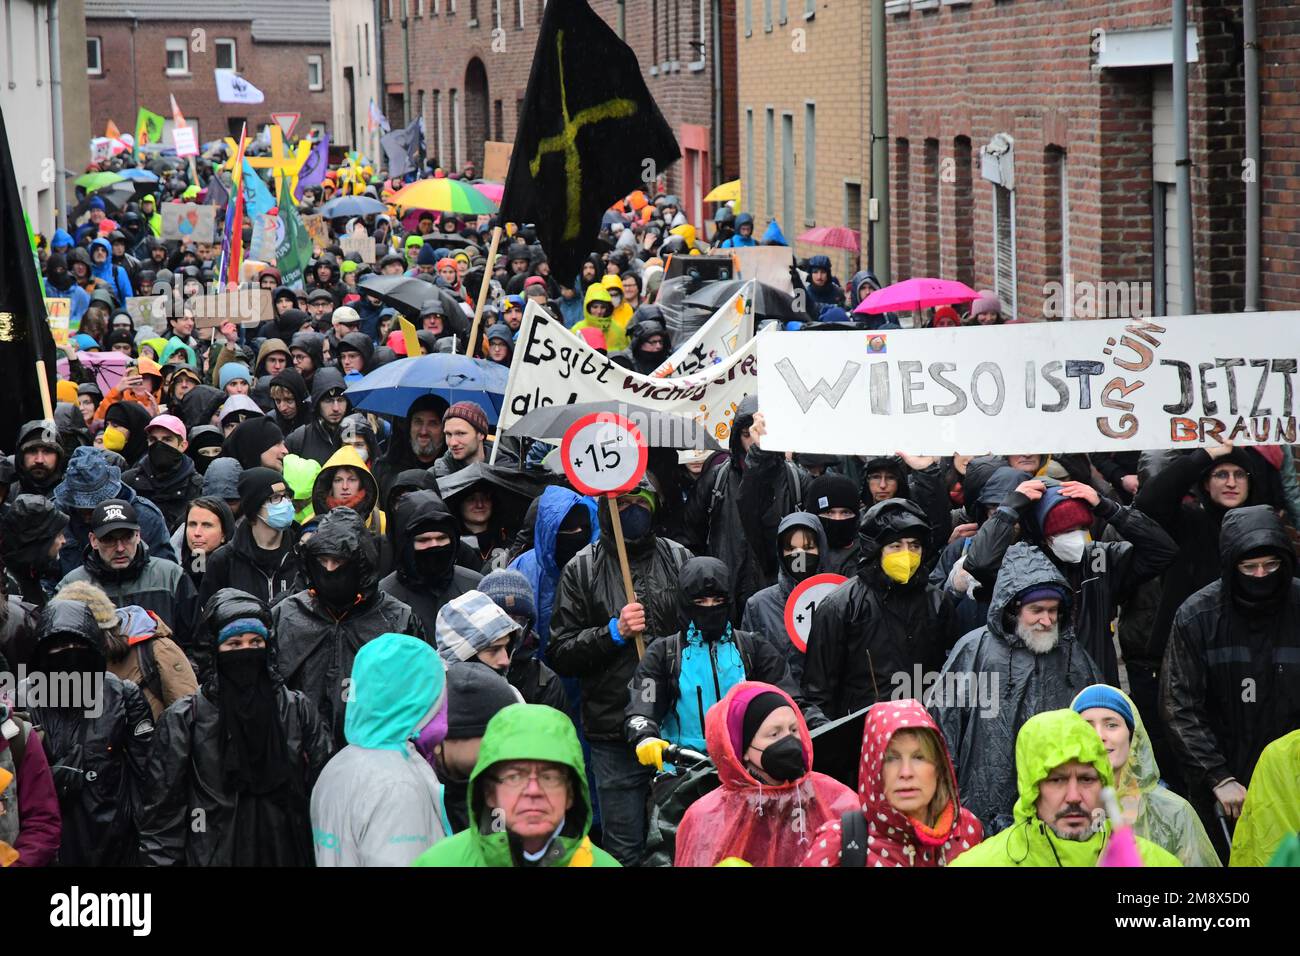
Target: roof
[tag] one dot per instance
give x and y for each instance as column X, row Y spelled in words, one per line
column 285, row 21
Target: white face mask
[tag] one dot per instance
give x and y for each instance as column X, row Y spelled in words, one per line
column 1069, row 547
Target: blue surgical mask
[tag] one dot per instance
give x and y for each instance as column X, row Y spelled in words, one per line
column 280, row 516
column 637, row 522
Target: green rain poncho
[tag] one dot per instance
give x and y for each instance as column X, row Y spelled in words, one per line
column 1045, row 742
column 1271, row 816
column 1156, row 813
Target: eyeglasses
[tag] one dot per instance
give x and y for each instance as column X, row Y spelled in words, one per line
column 276, row 498
column 550, row 778
column 1258, row 565
column 1229, row 474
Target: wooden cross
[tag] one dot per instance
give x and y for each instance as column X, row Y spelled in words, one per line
column 565, row 142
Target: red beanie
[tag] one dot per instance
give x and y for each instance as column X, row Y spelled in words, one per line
column 1069, row 514
column 470, row 412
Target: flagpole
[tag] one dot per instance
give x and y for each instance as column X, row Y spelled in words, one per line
column 483, row 290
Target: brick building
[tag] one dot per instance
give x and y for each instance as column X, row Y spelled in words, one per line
column 468, row 63
column 1032, row 141
column 804, row 83
column 147, row 49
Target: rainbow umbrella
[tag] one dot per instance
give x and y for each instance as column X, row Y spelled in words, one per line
column 493, row 191
column 443, row 195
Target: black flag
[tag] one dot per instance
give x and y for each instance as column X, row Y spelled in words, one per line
column 24, row 329
column 589, row 135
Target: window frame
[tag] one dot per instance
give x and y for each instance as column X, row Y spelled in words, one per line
column 234, row 53
column 98, row 68
column 319, row 62
column 184, row 50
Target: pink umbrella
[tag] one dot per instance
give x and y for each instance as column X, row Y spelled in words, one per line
column 833, row 237
column 912, row 295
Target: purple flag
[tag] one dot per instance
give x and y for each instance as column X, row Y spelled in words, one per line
column 314, row 167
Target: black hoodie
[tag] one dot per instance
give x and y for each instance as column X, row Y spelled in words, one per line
column 25, row 483
column 295, row 383
column 316, row 439
column 418, row 512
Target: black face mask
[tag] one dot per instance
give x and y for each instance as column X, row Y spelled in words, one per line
column 569, row 543
column 201, row 461
column 434, row 564
column 339, row 588
column 242, row 669
column 711, row 622
column 1258, row 589
column 801, row 564
column 73, row 660
column 163, row 458
column 784, row 760
column 839, row 531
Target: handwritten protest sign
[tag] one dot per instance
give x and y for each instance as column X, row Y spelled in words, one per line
column 730, row 328
column 1061, row 387
column 59, row 315
column 496, row 161
column 189, row 221
column 768, row 264
column 552, row 366
column 148, row 310
column 362, row 245
column 248, row 307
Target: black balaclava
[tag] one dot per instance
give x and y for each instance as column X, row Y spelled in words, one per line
column 702, row 577
column 811, row 563
column 1261, row 593
column 834, row 491
column 339, row 589
column 253, row 749
column 573, row 535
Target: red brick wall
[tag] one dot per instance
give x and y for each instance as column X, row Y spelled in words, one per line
column 1024, row 68
column 1279, row 72
column 442, row 46
column 279, row 70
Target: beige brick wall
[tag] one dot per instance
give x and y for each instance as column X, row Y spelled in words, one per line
column 828, row 64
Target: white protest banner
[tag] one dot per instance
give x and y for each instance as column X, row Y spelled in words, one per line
column 1112, row 385
column 187, row 220
column 716, row 340
column 552, row 366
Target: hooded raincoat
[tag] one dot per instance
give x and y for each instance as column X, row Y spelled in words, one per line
column 1046, row 742
column 1272, row 811
column 523, row 732
column 992, row 683
column 765, row 611
column 894, row 838
column 538, row 563
column 418, row 512
column 1154, row 812
column 763, row 825
column 378, row 802
column 615, row 334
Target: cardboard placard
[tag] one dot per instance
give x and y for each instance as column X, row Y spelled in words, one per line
column 364, row 245
column 496, row 161
column 185, row 140
column 189, row 221
column 59, row 315
column 248, row 307
column 768, row 264
column 319, row 231
column 148, row 310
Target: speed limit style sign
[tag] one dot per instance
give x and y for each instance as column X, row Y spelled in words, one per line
column 803, row 601
column 604, row 454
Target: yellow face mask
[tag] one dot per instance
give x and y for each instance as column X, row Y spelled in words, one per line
column 901, row 565
column 114, row 440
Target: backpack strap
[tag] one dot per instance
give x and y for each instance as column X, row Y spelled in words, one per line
column 150, row 675
column 853, row 839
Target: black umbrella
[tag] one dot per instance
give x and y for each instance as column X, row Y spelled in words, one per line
column 837, row 748
column 769, row 301
column 660, row 429
column 407, row 294
column 513, row 490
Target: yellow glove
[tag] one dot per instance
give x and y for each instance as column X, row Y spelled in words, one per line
column 651, row 752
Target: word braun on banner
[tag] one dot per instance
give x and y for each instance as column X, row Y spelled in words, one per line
column 1066, row 387
column 552, row 366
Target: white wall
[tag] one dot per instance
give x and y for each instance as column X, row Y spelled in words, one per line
column 25, row 99
column 351, row 21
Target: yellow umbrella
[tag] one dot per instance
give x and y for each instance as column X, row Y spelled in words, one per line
column 726, row 192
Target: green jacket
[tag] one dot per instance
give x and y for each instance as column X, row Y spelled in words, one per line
column 523, row 732
column 1046, row 741
column 1272, row 812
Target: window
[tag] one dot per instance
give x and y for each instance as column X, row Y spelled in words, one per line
column 963, row 211
column 902, row 230
column 455, row 129
column 225, row 50
column 787, row 170
column 852, row 219
column 748, row 183
column 700, row 41
column 933, row 238
column 178, row 56
column 473, row 13
column 498, row 121
column 1004, row 238
column 749, row 18
column 315, row 73
column 438, row 136
column 519, row 20
column 1056, row 228
column 767, row 16
column 783, row 12
column 809, row 9
column 809, row 164
column 496, row 14
column 769, row 161
column 94, row 66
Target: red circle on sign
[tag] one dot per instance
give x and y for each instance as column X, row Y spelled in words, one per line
column 826, row 581
column 587, row 487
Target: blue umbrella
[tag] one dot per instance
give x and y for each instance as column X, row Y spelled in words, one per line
column 352, row 206
column 392, row 388
column 140, row 175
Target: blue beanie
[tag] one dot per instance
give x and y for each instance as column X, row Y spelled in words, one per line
column 243, row 625
column 1103, row 695
column 96, row 202
column 428, row 256
column 512, row 592
column 231, row 371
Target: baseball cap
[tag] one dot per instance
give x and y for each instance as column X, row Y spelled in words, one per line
column 346, row 315
column 169, row 422
column 113, row 515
